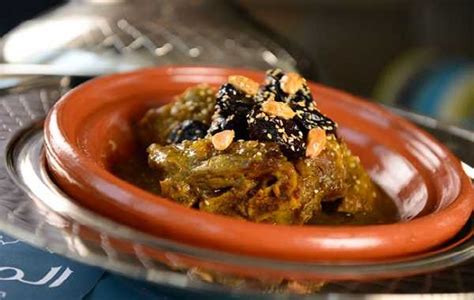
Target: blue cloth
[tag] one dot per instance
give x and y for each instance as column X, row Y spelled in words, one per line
column 120, row 288
column 30, row 273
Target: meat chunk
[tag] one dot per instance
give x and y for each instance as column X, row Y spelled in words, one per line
column 255, row 181
column 160, row 124
column 249, row 179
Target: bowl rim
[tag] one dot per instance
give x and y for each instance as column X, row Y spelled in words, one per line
column 69, row 164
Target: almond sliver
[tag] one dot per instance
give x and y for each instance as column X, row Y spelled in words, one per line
column 278, row 109
column 223, row 139
column 316, row 142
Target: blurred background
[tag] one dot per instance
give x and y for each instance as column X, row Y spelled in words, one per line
column 416, row 55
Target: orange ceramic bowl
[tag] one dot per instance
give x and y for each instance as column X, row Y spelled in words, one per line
column 91, row 128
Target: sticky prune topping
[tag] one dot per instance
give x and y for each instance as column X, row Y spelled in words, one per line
column 272, row 87
column 274, row 81
column 302, row 102
column 286, row 133
column 230, row 99
column 309, row 117
column 282, row 111
column 232, row 107
column 187, row 130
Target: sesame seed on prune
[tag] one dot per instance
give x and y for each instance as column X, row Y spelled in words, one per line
column 308, row 117
column 241, row 112
column 272, row 86
column 273, row 81
column 232, row 107
column 187, row 130
column 285, row 133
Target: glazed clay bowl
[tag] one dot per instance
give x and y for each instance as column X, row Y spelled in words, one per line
column 91, row 128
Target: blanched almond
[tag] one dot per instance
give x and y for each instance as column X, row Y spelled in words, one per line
column 278, row 109
column 291, row 83
column 223, row 139
column 316, row 142
column 244, row 84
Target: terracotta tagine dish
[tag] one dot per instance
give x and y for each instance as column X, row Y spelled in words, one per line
column 248, row 163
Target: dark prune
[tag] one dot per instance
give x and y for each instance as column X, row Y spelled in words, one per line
column 232, row 107
column 273, row 85
column 229, row 100
column 308, row 117
column 188, row 130
column 285, row 133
